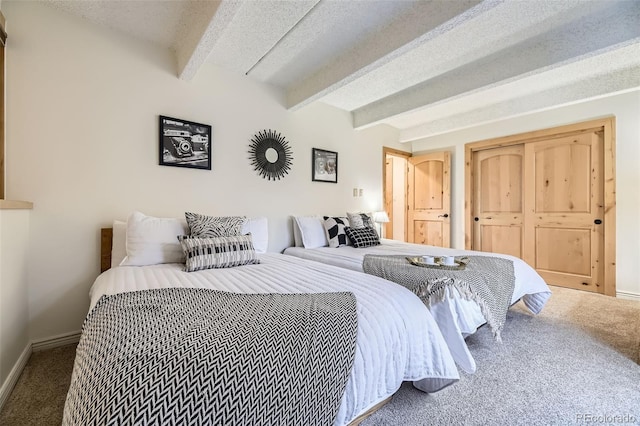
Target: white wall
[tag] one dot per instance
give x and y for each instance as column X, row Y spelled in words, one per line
column 82, row 144
column 14, row 333
column 626, row 108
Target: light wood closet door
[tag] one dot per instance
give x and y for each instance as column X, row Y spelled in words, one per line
column 429, row 199
column 564, row 210
column 499, row 200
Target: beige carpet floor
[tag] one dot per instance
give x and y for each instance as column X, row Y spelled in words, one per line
column 39, row 396
column 613, row 321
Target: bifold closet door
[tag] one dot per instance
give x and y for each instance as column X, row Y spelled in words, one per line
column 498, row 205
column 564, row 206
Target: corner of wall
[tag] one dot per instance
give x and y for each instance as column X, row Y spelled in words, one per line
column 12, row 378
column 14, row 307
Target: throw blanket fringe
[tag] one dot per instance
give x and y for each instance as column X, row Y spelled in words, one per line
column 436, row 291
column 486, row 280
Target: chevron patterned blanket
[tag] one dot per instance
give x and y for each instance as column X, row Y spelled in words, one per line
column 182, row 356
column 487, row 280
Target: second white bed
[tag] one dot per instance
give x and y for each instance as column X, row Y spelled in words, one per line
column 456, row 317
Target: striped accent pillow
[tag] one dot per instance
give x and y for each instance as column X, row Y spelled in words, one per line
column 214, row 226
column 217, row 252
column 362, row 237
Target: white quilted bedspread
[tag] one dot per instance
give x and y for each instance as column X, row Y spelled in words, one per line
column 530, row 287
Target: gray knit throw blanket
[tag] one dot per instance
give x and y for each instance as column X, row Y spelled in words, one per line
column 194, row 356
column 488, row 281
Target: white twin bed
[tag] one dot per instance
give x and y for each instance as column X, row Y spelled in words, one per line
column 397, row 337
column 456, row 316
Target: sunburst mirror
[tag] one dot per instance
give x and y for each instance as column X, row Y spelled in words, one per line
column 270, row 154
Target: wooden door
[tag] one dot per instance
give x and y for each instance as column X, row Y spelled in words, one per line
column 499, row 203
column 429, row 199
column 389, row 196
column 564, row 210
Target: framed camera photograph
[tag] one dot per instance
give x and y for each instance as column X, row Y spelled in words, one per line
column 324, row 166
column 184, row 143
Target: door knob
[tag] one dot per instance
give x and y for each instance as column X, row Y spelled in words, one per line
column 597, row 221
column 443, row 215
column 476, row 219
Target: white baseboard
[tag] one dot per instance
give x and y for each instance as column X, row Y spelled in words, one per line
column 55, row 341
column 34, row 346
column 629, row 295
column 14, row 375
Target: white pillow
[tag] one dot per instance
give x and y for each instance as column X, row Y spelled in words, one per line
column 312, row 231
column 153, row 240
column 259, row 229
column 118, row 243
column 297, row 238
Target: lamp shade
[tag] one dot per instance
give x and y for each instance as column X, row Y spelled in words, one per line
column 380, row 217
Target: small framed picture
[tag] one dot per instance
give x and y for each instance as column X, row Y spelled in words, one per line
column 324, row 166
column 184, row 143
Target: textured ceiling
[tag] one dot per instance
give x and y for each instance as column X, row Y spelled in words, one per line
column 425, row 67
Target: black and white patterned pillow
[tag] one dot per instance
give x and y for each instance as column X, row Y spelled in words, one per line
column 217, row 252
column 360, row 220
column 362, row 237
column 334, row 228
column 202, row 226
